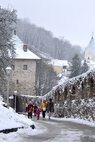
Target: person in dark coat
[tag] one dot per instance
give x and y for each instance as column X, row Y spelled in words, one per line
column 50, row 107
column 35, row 108
column 29, row 108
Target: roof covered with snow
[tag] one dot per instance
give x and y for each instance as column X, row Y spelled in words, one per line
column 20, row 53
column 61, row 63
column 91, row 64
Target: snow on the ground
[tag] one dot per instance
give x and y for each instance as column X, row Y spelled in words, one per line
column 9, row 119
column 67, row 136
column 76, row 120
column 21, row 134
column 71, row 135
column 9, row 115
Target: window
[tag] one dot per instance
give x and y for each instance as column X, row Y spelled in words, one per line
column 24, row 67
column 17, row 82
column 13, row 67
column 64, row 67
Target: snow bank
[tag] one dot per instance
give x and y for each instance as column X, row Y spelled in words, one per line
column 10, row 119
column 75, row 120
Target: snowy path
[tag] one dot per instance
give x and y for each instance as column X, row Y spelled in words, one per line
column 61, row 131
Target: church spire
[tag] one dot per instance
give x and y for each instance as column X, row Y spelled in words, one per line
column 92, row 36
column 90, row 50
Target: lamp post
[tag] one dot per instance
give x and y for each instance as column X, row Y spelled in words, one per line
column 8, row 71
column 15, row 93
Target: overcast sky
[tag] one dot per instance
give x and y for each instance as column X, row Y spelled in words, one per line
column 72, row 19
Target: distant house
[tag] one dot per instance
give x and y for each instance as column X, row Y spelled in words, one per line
column 61, row 66
column 23, row 77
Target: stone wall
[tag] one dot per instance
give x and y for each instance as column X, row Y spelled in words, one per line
column 74, row 97
column 21, row 102
column 82, row 87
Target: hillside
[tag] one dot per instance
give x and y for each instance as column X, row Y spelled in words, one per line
column 42, row 40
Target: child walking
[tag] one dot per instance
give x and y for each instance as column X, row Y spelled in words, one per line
column 38, row 113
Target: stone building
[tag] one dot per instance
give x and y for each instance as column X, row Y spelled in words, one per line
column 23, row 76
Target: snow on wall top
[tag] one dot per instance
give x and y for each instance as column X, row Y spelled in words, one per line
column 65, row 82
column 20, row 53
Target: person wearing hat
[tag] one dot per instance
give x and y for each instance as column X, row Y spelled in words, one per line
column 50, row 107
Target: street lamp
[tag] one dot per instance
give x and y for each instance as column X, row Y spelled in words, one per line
column 8, row 71
column 15, row 93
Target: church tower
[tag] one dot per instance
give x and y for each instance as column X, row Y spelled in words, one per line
column 90, row 50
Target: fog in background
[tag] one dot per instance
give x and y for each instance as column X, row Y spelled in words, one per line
column 70, row 19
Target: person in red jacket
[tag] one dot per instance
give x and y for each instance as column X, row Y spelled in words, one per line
column 29, row 108
column 38, row 113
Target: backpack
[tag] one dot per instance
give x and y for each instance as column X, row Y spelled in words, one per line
column 30, row 106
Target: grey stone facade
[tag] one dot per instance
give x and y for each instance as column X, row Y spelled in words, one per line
column 23, row 77
column 76, row 97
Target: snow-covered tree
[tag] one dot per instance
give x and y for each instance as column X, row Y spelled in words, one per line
column 76, row 66
column 7, row 26
column 84, row 67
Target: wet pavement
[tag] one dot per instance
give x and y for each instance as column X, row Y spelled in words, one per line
column 62, row 131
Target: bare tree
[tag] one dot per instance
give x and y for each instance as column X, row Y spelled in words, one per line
column 44, row 41
column 46, row 78
column 7, row 20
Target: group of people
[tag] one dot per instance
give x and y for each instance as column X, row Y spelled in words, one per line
column 45, row 107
